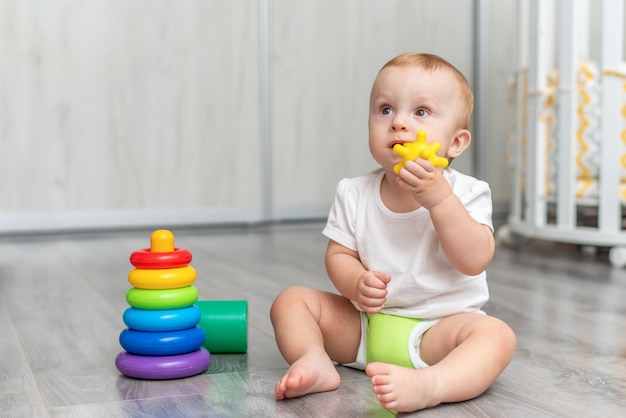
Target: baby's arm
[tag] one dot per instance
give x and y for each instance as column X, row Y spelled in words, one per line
column 469, row 245
column 353, row 281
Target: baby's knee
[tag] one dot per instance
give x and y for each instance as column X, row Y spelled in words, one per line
column 293, row 293
column 286, row 300
column 504, row 336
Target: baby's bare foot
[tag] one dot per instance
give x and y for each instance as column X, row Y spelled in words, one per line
column 401, row 389
column 311, row 373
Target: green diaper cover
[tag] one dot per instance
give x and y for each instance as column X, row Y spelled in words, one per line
column 388, row 339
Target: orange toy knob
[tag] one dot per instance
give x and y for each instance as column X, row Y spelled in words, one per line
column 162, row 241
column 162, row 254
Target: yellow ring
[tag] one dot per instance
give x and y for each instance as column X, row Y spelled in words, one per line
column 162, row 278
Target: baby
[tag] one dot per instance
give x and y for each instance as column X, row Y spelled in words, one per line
column 407, row 253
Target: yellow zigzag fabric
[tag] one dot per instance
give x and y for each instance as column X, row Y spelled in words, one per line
column 587, row 91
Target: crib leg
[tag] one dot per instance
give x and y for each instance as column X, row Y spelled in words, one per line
column 617, row 257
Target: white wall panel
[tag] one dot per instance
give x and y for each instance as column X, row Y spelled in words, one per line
column 128, row 105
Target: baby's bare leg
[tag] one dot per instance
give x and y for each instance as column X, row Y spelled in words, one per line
column 312, row 327
column 467, row 352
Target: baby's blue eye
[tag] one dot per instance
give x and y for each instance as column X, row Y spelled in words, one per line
column 421, row 112
column 386, row 110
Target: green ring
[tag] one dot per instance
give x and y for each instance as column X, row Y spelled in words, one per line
column 162, row 298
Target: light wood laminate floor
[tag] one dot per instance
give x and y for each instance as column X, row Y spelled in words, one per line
column 62, row 299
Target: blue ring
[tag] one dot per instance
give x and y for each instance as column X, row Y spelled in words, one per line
column 166, row 343
column 162, row 320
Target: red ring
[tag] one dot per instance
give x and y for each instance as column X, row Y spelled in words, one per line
column 146, row 259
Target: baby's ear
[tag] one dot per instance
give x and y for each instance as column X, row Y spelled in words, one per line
column 462, row 140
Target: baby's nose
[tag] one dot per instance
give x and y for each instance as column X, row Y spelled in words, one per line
column 399, row 124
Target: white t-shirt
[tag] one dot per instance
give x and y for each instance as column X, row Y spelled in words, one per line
column 404, row 245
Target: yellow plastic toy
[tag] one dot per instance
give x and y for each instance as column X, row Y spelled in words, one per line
column 409, row 151
column 162, row 278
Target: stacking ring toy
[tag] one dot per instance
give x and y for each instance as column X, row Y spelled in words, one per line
column 164, row 343
column 163, row 367
column 162, row 254
column 162, row 278
column 146, row 259
column 162, row 299
column 161, row 320
column 225, row 323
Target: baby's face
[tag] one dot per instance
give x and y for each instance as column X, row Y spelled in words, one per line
column 407, row 99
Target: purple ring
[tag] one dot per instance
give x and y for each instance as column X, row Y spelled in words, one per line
column 163, row 367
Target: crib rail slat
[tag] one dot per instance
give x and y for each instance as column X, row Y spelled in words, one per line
column 611, row 60
column 570, row 53
column 539, row 53
column 519, row 134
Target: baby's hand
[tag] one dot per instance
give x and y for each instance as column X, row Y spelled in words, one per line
column 424, row 182
column 371, row 291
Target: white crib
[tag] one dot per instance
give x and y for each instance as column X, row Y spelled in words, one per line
column 569, row 125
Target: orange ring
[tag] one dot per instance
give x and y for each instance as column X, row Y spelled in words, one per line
column 162, row 278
